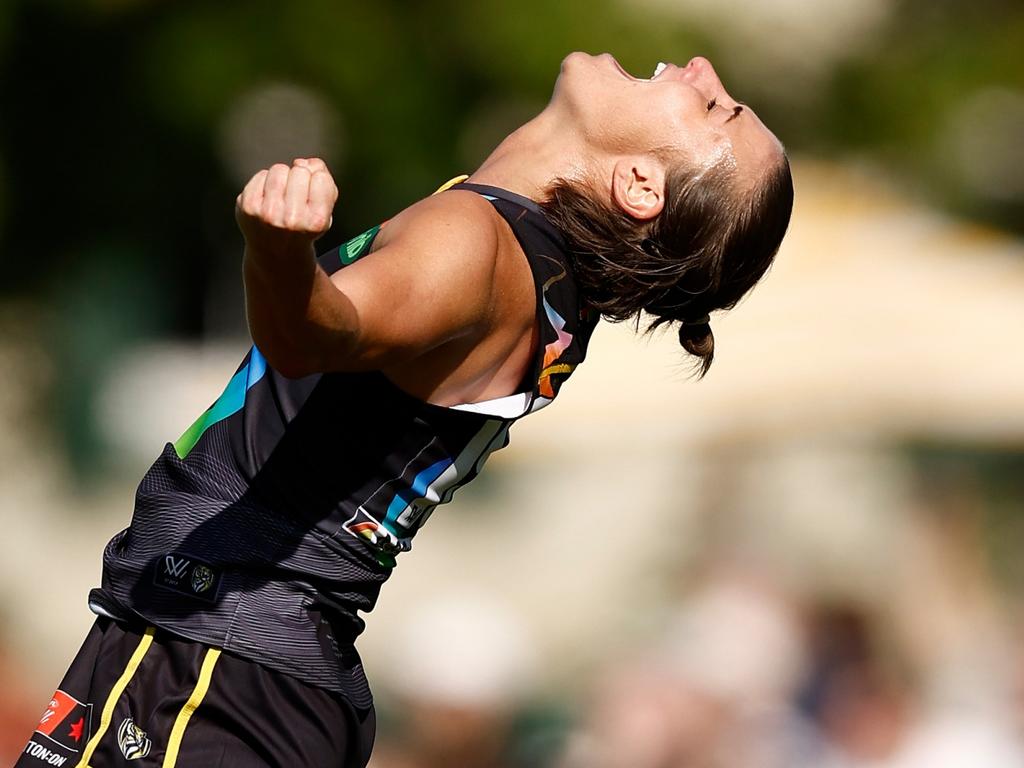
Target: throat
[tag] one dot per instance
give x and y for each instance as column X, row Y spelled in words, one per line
column 531, row 159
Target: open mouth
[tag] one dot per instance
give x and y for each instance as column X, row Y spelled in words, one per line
column 662, row 66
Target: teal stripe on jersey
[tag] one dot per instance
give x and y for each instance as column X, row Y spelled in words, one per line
column 230, row 401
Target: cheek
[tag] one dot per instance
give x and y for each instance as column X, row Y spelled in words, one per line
column 677, row 121
column 621, row 122
column 686, row 129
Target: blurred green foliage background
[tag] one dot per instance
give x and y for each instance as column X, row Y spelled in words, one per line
column 129, row 125
column 851, row 475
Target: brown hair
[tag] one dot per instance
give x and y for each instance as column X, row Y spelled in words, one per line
column 703, row 252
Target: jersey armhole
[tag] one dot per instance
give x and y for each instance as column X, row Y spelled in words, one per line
column 526, row 393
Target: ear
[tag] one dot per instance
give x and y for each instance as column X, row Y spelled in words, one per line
column 638, row 187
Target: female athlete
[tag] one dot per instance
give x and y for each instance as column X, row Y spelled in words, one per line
column 381, row 376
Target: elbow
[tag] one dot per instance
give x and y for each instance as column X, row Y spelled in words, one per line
column 283, row 356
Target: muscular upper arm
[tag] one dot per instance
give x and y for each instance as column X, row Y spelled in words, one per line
column 431, row 281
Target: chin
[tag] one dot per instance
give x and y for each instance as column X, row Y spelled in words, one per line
column 568, row 66
column 572, row 61
column 576, row 81
column 577, row 64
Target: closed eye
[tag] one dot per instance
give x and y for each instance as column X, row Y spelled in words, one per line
column 711, row 104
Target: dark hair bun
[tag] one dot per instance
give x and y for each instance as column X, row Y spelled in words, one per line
column 699, row 341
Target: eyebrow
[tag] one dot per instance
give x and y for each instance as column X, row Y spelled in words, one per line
column 735, row 112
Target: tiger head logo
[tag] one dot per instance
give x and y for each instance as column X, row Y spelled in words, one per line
column 132, row 740
column 202, row 578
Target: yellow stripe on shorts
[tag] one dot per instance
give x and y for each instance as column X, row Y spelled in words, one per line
column 202, row 685
column 115, row 694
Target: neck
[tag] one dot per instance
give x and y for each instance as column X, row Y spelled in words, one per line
column 531, row 158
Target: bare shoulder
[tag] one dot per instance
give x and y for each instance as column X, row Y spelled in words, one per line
column 443, row 245
column 457, row 219
column 429, row 279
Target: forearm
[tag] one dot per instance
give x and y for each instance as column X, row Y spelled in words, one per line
column 297, row 318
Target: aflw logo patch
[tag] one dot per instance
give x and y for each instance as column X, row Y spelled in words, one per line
column 187, row 575
column 132, row 740
column 175, row 567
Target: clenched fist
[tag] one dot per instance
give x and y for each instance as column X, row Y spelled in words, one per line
column 283, row 209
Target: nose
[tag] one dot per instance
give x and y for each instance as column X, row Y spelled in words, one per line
column 703, row 76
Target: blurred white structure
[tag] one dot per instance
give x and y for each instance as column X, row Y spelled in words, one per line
column 879, row 322
column 463, row 649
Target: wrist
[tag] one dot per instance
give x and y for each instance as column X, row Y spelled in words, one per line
column 279, row 255
column 281, row 246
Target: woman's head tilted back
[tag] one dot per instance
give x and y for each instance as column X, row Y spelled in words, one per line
column 684, row 202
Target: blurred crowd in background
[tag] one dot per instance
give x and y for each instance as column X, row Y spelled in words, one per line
column 810, row 559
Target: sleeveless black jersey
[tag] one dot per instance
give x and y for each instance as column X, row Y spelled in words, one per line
column 275, row 518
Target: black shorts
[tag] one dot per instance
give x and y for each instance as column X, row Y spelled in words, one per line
column 150, row 698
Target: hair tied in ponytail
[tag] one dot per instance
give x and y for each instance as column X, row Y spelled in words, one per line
column 693, row 331
column 695, row 337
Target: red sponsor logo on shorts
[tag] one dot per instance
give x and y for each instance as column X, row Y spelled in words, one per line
column 65, row 721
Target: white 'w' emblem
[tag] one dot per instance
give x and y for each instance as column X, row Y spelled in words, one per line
column 174, row 566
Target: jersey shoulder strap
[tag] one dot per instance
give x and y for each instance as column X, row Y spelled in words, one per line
column 566, row 322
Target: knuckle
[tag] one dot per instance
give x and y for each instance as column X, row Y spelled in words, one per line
column 325, row 180
column 271, row 210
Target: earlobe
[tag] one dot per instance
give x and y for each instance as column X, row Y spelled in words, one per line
column 638, row 188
